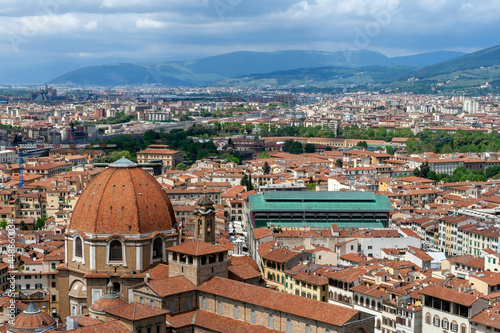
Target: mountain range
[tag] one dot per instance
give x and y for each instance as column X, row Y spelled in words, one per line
column 360, row 69
column 208, row 70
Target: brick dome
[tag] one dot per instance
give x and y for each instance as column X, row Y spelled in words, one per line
column 123, row 199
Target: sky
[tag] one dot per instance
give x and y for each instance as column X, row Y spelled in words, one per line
column 34, row 31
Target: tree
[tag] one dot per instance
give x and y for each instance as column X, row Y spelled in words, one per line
column 40, row 223
column 311, row 186
column 264, row 155
column 244, row 180
column 492, row 171
column 23, row 226
column 447, row 149
column 3, row 223
column 250, row 185
column 389, row 150
column 296, row 148
column 181, row 166
column 266, row 168
column 68, row 169
column 310, row 148
column 115, row 156
column 328, row 148
column 339, row 163
column 428, row 147
column 362, row 144
column 423, row 171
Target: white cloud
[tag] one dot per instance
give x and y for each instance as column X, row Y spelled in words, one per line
column 146, row 23
column 92, row 25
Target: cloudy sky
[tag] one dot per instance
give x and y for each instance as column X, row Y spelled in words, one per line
column 49, row 30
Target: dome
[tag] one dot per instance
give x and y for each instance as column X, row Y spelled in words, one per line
column 123, row 199
column 31, row 320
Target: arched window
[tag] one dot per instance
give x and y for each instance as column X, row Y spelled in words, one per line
column 463, row 328
column 158, row 248
column 270, row 322
column 252, row 316
column 378, row 324
column 373, row 304
column 78, row 247
column 445, row 324
column 308, row 328
column 236, row 312
column 141, row 300
column 288, row 326
column 428, row 318
column 327, row 330
column 454, row 326
column 204, row 303
column 362, row 300
column 437, row 322
column 115, row 251
column 356, row 298
column 220, row 307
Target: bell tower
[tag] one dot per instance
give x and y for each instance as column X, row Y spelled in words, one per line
column 205, row 220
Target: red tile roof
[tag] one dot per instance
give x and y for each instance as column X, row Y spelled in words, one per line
column 449, row 295
column 275, row 300
column 197, row 248
column 135, row 311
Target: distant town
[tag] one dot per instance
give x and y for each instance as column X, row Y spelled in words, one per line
column 248, row 210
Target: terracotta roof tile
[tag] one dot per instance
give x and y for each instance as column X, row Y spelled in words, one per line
column 135, row 311
column 449, row 295
column 271, row 299
column 197, row 248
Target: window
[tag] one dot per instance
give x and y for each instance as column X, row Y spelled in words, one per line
column 171, row 306
column 220, row 307
column 308, row 328
column 188, row 303
column 252, row 316
column 158, row 248
column 78, row 248
column 236, row 312
column 436, row 321
column 141, row 300
column 288, row 326
column 115, row 251
column 463, row 329
column 454, row 327
column 204, row 303
column 445, row 324
column 270, row 322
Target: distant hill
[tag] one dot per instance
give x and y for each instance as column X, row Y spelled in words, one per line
column 469, row 73
column 333, row 77
column 217, row 68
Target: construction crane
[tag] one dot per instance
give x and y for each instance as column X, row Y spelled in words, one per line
column 23, row 146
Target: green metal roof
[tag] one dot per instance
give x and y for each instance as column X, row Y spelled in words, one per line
column 319, row 201
column 309, row 224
